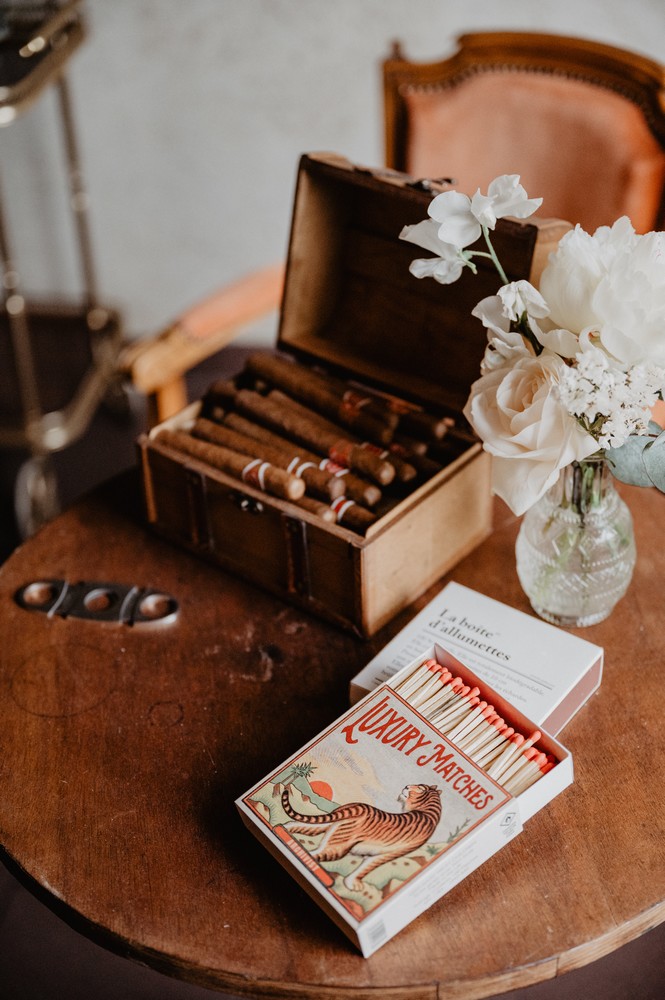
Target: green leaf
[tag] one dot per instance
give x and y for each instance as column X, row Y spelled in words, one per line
column 653, row 457
column 627, row 463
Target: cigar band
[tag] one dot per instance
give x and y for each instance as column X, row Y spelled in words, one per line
column 340, row 506
column 340, row 452
column 296, row 467
column 254, row 473
column 327, row 465
column 353, row 401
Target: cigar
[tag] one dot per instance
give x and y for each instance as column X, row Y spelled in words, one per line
column 322, row 510
column 405, row 470
column 423, row 424
column 402, row 470
column 220, row 394
column 325, row 395
column 316, row 481
column 271, row 410
column 351, row 515
column 365, row 493
column 407, row 446
column 413, row 419
column 421, row 461
column 247, row 468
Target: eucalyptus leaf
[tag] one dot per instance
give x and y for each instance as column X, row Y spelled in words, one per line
column 653, row 457
column 627, row 463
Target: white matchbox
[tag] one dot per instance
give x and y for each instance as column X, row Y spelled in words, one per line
column 544, row 671
column 366, row 760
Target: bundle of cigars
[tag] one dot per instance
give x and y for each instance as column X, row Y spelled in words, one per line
column 338, row 449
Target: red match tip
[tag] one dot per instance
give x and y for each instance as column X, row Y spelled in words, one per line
column 475, row 692
column 457, row 683
column 547, row 767
column 530, row 753
column 535, row 735
column 517, row 739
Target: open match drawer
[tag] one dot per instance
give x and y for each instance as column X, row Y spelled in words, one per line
column 340, row 473
column 403, row 796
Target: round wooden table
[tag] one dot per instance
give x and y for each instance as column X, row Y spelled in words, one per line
column 123, row 748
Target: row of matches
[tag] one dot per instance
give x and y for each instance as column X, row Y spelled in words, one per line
column 345, row 455
column 456, row 710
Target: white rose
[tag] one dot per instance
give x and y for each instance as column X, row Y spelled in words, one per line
column 518, row 416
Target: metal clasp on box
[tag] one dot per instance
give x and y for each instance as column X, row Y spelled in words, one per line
column 245, row 503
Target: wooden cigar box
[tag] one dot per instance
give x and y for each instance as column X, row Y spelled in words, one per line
column 351, row 307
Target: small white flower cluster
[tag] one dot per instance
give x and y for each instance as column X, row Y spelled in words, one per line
column 610, row 403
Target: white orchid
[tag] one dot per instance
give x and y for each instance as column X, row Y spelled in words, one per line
column 520, row 298
column 462, row 219
column 446, row 267
column 505, row 346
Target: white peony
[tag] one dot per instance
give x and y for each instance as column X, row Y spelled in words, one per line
column 609, row 289
column 517, row 414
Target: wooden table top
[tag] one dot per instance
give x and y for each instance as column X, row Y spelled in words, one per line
column 122, row 751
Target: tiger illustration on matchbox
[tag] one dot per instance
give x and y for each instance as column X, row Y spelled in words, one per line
column 372, row 834
column 372, row 802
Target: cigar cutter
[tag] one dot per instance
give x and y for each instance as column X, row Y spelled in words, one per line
column 100, row 602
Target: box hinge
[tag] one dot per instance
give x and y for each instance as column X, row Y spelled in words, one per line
column 197, row 503
column 298, row 579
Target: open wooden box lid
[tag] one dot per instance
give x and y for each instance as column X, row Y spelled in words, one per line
column 350, row 302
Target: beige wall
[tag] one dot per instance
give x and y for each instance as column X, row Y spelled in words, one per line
column 192, row 117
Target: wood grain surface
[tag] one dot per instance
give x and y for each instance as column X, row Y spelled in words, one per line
column 122, row 750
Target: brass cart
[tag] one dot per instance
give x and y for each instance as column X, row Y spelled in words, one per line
column 38, row 416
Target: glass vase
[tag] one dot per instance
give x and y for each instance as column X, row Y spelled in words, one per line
column 575, row 550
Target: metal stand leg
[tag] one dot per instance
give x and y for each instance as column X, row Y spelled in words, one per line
column 35, row 490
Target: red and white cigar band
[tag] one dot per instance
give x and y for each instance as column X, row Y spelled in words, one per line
column 327, row 465
column 353, row 401
column 296, row 467
column 340, row 506
column 254, row 473
column 341, row 452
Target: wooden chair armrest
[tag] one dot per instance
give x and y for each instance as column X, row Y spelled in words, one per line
column 157, row 365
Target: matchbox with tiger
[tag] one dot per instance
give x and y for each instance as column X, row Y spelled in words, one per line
column 392, row 805
column 339, row 472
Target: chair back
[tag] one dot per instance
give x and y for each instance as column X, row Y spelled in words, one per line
column 583, row 123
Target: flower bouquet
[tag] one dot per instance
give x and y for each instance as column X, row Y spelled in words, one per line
column 567, row 385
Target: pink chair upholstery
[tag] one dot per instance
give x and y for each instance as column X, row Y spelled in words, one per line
column 582, row 123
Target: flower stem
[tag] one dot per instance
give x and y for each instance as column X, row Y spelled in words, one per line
column 493, row 256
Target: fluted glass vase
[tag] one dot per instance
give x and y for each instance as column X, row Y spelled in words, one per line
column 576, row 549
